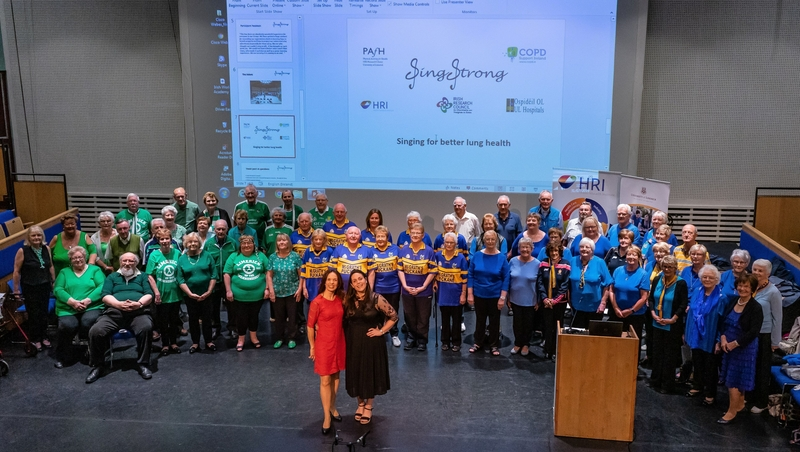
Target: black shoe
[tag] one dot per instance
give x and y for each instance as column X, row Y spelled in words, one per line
column 145, row 372
column 422, row 347
column 511, row 313
column 94, row 374
column 336, row 418
column 723, row 421
column 410, row 345
column 58, row 365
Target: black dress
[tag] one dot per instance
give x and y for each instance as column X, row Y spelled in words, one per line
column 367, row 369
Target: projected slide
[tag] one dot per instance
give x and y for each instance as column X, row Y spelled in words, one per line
column 485, row 95
column 448, row 91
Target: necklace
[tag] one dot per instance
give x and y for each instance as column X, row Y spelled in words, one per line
column 196, row 260
column 740, row 302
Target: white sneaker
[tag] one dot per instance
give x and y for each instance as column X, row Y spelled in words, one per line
column 757, row 410
column 463, row 327
column 395, row 341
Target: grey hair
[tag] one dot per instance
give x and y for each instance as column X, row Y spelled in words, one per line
column 132, row 195
column 545, row 192
column 503, row 197
column 708, row 268
column 741, row 254
column 767, row 265
column 587, row 241
column 450, row 235
column 277, row 210
column 626, row 207
column 77, row 249
column 527, row 241
column 169, row 209
column 660, row 213
column 105, row 214
column 413, row 214
column 450, row 217
column 698, row 247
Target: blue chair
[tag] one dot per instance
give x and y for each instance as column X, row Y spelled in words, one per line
column 120, row 335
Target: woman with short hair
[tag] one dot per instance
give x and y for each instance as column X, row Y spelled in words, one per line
column 537, row 237
column 451, row 291
column 628, row 293
column 691, row 274
column 203, row 228
column 488, row 223
column 667, row 305
column 706, row 308
column 168, row 213
column 212, row 211
column 589, row 283
column 387, row 282
column 769, row 336
column 102, row 237
column 162, row 267
column 241, row 228
column 740, row 260
column 33, row 278
column 245, row 277
column 449, row 225
column 285, row 290
column 197, row 277
column 554, row 235
column 78, row 302
column 591, row 229
column 487, row 289
column 618, row 256
column 523, row 272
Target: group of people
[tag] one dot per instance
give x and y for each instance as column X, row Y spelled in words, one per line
column 135, row 272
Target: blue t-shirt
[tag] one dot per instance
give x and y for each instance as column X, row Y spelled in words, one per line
column 404, row 239
column 386, row 279
column 451, row 276
column 314, row 266
column 235, row 234
column 613, row 234
column 522, row 291
column 538, row 247
column 627, row 285
column 461, row 244
column 368, row 238
column 601, row 246
column 416, row 266
column 488, row 275
column 595, row 279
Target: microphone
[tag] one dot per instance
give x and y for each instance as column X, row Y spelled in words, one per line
column 363, row 439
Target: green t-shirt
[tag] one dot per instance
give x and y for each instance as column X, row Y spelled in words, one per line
column 292, row 214
column 88, row 285
column 141, row 226
column 248, row 276
column 187, row 216
column 271, row 234
column 164, row 269
column 61, row 254
column 318, row 220
column 197, row 271
column 285, row 276
column 258, row 216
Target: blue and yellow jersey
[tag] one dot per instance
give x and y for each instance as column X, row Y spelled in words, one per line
column 336, row 233
column 461, row 244
column 404, row 239
column 368, row 238
column 300, row 242
column 314, row 265
column 386, row 279
column 345, row 261
column 416, row 266
column 451, row 276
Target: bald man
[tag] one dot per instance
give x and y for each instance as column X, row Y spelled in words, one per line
column 188, row 211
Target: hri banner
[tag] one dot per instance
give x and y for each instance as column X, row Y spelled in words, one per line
column 572, row 187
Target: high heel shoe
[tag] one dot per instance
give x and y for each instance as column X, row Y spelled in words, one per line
column 335, row 417
column 325, row 430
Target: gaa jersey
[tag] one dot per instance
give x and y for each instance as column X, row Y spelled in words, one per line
column 337, row 234
column 416, row 266
column 404, row 239
column 318, row 219
column 368, row 238
column 345, row 261
column 451, row 276
column 313, row 267
column 461, row 244
column 386, row 279
column 300, row 242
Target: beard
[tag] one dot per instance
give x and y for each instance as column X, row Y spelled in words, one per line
column 127, row 272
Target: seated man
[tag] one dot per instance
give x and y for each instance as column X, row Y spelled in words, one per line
column 127, row 296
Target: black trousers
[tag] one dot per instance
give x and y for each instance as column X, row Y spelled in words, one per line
column 706, row 372
column 301, row 312
column 37, row 298
column 108, row 324
column 550, row 317
column 582, row 318
column 523, row 324
column 247, row 315
column 451, row 324
column 217, row 298
column 759, row 396
column 666, row 357
column 68, row 325
column 487, row 308
column 418, row 317
column 201, row 311
column 169, row 324
column 394, row 300
column 284, row 307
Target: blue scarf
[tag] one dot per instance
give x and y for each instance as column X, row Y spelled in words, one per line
column 701, row 306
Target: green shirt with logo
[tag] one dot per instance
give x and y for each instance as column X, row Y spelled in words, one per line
column 248, row 276
column 164, row 270
column 140, row 222
column 318, row 220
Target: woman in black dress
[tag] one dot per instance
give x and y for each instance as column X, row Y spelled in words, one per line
column 368, row 316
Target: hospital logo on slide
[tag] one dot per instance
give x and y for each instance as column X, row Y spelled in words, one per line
column 525, row 55
column 566, row 181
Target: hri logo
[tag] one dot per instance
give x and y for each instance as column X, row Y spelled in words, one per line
column 375, row 104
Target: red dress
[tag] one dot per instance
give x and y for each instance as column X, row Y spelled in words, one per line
column 329, row 346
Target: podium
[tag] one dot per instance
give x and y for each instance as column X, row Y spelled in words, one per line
column 595, row 393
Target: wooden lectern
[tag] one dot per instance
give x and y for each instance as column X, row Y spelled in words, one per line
column 595, row 394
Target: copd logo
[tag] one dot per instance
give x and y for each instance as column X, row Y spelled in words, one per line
column 525, row 55
column 566, row 181
column 365, row 104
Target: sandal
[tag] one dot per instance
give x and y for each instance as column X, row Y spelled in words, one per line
column 366, row 419
column 515, row 350
column 358, row 415
column 445, row 347
column 708, row 402
column 455, row 348
column 495, row 351
column 211, row 346
column 474, row 348
column 164, row 351
column 194, row 349
column 693, row 393
column 239, row 347
column 175, row 349
column 46, row 343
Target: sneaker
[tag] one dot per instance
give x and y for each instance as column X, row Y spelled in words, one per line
column 463, row 327
column 757, row 410
column 292, row 344
column 395, row 341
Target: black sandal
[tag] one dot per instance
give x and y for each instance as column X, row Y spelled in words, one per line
column 366, row 419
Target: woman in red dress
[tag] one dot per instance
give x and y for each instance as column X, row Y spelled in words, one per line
column 326, row 338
